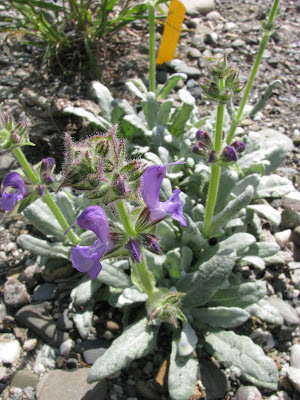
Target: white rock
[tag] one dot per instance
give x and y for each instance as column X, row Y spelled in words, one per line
column 294, row 377
column 45, row 359
column 29, row 344
column 292, row 201
column 66, row 347
column 229, row 26
column 10, row 349
column 283, row 237
column 194, row 7
column 295, row 356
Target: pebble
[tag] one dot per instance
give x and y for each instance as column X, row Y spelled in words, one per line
column 212, row 38
column 29, row 344
column 15, row 293
column 70, row 385
column 112, row 326
column 264, row 338
column 31, row 275
column 294, row 377
column 45, row 359
column 193, row 52
column 292, row 201
column 198, row 43
column 248, row 393
column 10, row 349
column 286, row 310
column 296, row 236
column 37, row 318
column 44, row 292
column 214, row 380
column 283, row 237
column 93, row 349
column 66, row 347
column 194, row 7
column 64, row 323
column 295, row 356
column 146, row 391
column 238, row 43
column 72, row 363
column 294, row 268
column 24, row 378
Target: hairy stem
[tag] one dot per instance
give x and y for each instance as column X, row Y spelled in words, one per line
column 152, row 67
column 124, row 218
column 47, row 196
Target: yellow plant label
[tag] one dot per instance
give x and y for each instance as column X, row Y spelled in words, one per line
column 171, row 33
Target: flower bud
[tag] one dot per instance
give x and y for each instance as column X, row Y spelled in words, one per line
column 212, row 158
column 150, row 242
column 239, row 146
column 12, row 135
column 134, row 250
column 229, row 154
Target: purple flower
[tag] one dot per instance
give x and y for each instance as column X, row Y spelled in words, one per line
column 151, row 183
column 229, row 154
column 9, row 200
column 87, row 258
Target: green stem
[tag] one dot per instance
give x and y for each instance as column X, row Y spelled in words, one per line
column 92, row 58
column 144, row 276
column 215, row 170
column 266, row 35
column 47, row 196
column 124, row 217
column 152, row 66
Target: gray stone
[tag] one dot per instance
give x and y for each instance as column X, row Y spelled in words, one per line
column 213, row 379
column 198, row 43
column 70, row 385
column 294, row 268
column 248, row 393
column 263, row 338
column 37, row 318
column 193, row 52
column 72, row 363
column 31, row 275
column 44, row 292
column 45, row 359
column 296, row 236
column 212, row 38
column 290, row 219
column 238, row 43
column 15, row 293
column 24, row 378
column 294, row 377
column 191, row 72
column 29, row 344
column 285, row 309
column 295, row 356
column 66, row 347
column 10, row 349
column 292, row 201
column 93, row 349
column 64, row 323
column 194, row 7
column 283, row 237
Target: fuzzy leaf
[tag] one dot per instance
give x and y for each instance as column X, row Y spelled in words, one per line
column 263, row 249
column 239, row 295
column 265, row 311
column 267, row 212
column 221, row 317
column 264, row 98
column 84, row 290
column 112, row 276
column 182, row 375
column 228, row 180
column 273, row 186
column 252, row 180
column 89, row 116
column 186, row 258
column 133, row 87
column 169, row 85
column 83, row 320
column 136, row 341
column 104, row 98
column 231, row 210
column 66, row 206
column 44, row 248
column 254, row 261
column 188, row 340
column 165, row 111
column 201, row 285
column 173, row 263
column 151, row 108
column 40, row 215
column 240, row 352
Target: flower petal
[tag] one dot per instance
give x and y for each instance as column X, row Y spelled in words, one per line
column 9, row 200
column 84, row 258
column 94, row 271
column 14, row 180
column 151, row 183
column 94, row 219
column 174, row 207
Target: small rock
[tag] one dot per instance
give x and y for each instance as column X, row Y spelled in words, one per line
column 148, row 368
column 66, row 347
column 108, row 335
column 238, row 43
column 72, row 363
column 37, row 318
column 193, row 52
column 295, row 356
column 213, row 379
column 296, row 236
column 60, row 384
column 290, row 218
column 3, row 372
column 292, row 201
column 29, row 392
column 191, row 72
column 93, row 349
column 212, row 38
column 248, row 393
column 294, row 377
column 24, row 378
column 29, row 344
column 229, row 26
column 283, row 237
column 10, row 349
column 15, row 293
column 146, row 391
column 44, row 292
column 214, row 16
column 64, row 323
column 45, row 359
column 2, row 312
column 31, row 275
column 194, row 7
column 112, row 326
column 285, row 309
column 296, row 136
column 161, row 379
column 198, row 43
column 60, row 361
column 263, row 338
column 294, row 268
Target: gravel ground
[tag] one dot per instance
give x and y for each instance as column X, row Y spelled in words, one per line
column 33, row 94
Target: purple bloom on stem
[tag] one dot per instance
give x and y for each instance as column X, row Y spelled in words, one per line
column 229, row 154
column 151, row 184
column 9, row 200
column 87, row 258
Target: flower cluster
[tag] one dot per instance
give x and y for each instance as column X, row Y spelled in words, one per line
column 204, row 147
column 224, row 82
column 12, row 134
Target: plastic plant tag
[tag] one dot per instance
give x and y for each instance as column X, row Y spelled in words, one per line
column 171, row 32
